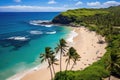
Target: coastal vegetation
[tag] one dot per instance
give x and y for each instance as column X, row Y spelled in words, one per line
column 106, row 22
column 72, row 55
column 62, row 48
column 113, row 63
column 49, row 56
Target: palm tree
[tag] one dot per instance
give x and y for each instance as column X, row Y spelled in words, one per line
column 76, row 57
column 70, row 54
column 46, row 57
column 53, row 61
column 113, row 63
column 62, row 48
column 110, row 28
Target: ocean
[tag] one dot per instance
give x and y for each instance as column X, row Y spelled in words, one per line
column 22, row 40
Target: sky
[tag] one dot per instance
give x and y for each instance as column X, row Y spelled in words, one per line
column 53, row 5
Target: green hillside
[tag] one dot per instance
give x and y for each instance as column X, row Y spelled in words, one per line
column 77, row 15
column 88, row 15
column 105, row 22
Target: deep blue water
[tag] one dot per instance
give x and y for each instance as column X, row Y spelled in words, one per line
column 22, row 40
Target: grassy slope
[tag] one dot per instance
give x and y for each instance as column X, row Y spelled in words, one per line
column 77, row 15
column 83, row 12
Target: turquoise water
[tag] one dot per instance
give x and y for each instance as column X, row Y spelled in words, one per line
column 21, row 42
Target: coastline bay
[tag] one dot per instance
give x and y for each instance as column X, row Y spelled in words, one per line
column 21, row 43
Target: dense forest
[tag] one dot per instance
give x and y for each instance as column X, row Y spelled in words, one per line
column 106, row 22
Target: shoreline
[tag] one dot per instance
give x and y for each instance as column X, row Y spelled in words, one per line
column 76, row 38
column 20, row 75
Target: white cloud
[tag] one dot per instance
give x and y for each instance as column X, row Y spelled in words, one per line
column 94, row 4
column 52, row 2
column 24, row 8
column 111, row 3
column 103, row 5
column 17, row 0
column 78, row 3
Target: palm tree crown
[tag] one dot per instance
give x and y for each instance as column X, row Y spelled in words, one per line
column 53, row 62
column 76, row 57
column 46, row 57
column 72, row 54
column 61, row 47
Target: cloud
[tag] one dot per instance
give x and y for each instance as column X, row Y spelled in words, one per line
column 17, row 0
column 94, row 4
column 24, row 8
column 52, row 2
column 78, row 3
column 111, row 3
column 103, row 5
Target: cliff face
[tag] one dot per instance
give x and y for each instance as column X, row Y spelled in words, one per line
column 61, row 19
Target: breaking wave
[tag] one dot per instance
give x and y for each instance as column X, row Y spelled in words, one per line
column 19, row 38
column 51, row 32
column 36, row 32
column 37, row 22
column 48, row 25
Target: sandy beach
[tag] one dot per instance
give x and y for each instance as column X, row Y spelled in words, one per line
column 87, row 46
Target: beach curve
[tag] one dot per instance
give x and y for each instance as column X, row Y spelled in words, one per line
column 86, row 44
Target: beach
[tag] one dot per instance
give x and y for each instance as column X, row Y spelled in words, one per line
column 87, row 46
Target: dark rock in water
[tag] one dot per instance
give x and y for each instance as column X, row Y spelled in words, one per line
column 15, row 43
column 52, row 23
column 19, row 44
column 5, row 43
column 46, row 23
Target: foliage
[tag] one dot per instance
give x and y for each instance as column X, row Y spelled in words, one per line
column 90, row 16
column 105, row 22
column 47, row 57
column 72, row 55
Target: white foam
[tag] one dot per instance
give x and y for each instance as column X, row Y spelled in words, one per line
column 53, row 32
column 48, row 25
column 32, row 23
column 37, row 22
column 71, row 36
column 21, row 74
column 36, row 32
column 19, row 38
